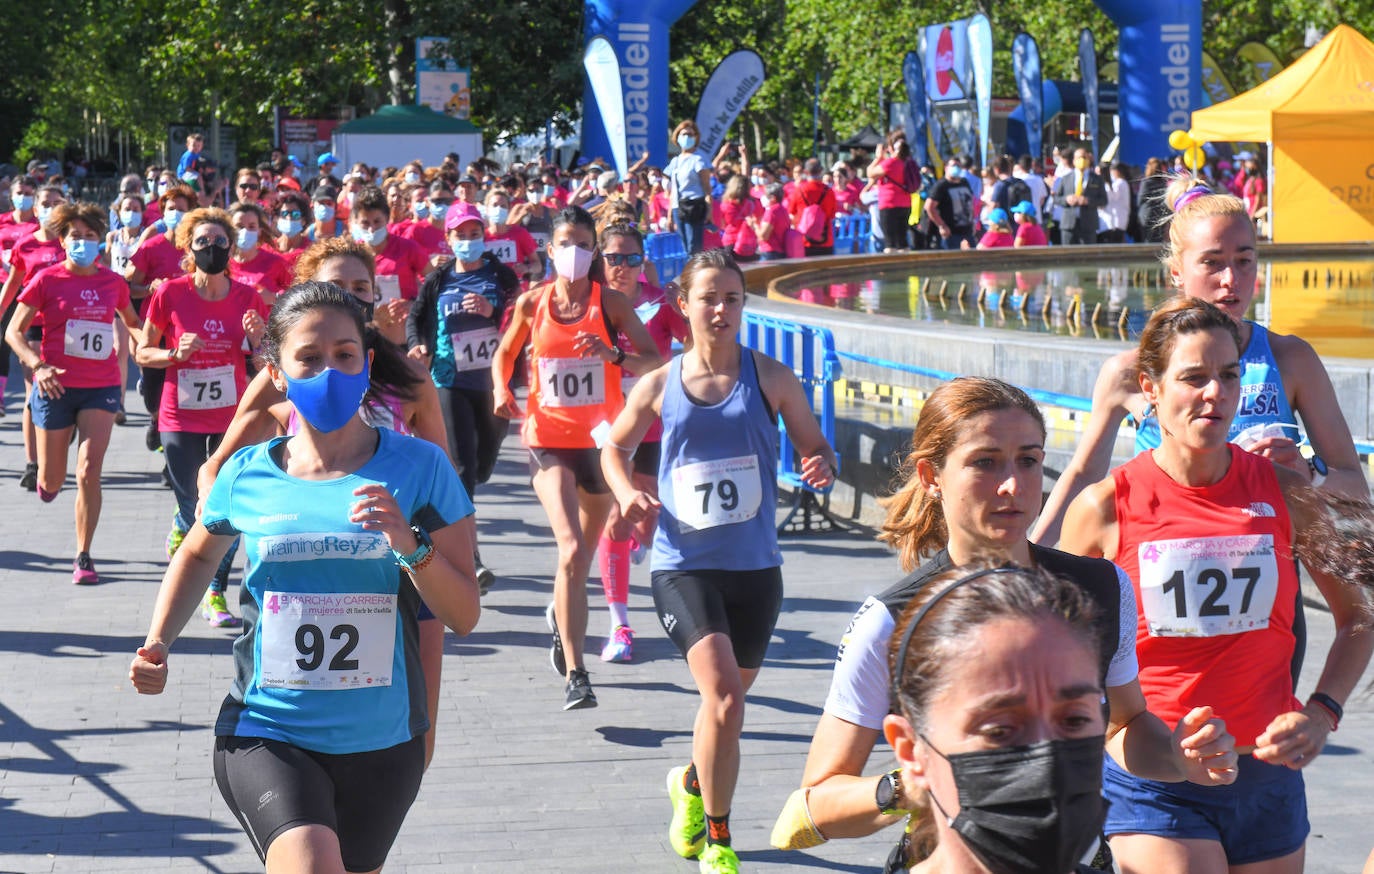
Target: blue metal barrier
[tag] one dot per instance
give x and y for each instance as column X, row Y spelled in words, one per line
column 810, row 353
column 667, row 253
column 844, row 235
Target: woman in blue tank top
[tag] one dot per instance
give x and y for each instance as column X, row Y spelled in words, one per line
column 1210, row 255
column 716, row 579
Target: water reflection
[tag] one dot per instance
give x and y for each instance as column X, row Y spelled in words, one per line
column 1328, row 303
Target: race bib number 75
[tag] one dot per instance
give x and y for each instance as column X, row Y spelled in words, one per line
column 1208, row 586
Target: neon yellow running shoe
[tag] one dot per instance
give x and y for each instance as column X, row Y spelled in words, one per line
column 174, row 539
column 687, row 832
column 216, row 610
column 718, row 859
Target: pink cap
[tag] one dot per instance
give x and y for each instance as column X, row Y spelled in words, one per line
column 459, row 213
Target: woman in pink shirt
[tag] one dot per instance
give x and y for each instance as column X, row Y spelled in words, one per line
column 76, row 371
column 736, row 208
column 998, row 234
column 772, row 224
column 207, row 318
column 257, row 266
column 896, row 177
column 1028, row 230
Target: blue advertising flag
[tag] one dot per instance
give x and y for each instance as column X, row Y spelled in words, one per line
column 1087, row 66
column 735, row 80
column 980, row 58
column 603, row 73
column 1025, row 57
column 916, row 116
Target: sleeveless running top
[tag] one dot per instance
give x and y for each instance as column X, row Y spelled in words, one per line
column 1215, row 590
column 717, row 478
column 1262, row 398
column 569, row 395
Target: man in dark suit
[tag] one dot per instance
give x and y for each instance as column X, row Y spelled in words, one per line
column 1081, row 193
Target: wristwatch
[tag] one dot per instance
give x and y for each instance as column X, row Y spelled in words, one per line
column 423, row 554
column 1318, row 468
column 889, row 793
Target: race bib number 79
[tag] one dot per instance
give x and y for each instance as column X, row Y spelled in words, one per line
column 1208, row 586
column 708, row 494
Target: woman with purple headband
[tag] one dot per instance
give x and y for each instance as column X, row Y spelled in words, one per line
column 1210, row 254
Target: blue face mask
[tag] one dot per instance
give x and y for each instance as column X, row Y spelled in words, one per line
column 438, row 210
column 328, row 400
column 247, row 239
column 83, row 252
column 42, row 214
column 549, row 192
column 373, row 238
column 23, row 202
column 421, row 209
column 323, row 213
column 468, row 251
column 497, row 215
column 686, row 141
column 171, row 218
column 289, row 226
column 954, row 172
column 131, row 218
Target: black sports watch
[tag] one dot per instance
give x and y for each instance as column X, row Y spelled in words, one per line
column 889, row 793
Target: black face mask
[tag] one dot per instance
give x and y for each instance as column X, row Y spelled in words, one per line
column 1035, row 808
column 212, row 259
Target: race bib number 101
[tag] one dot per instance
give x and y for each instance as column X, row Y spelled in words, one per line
column 1208, row 586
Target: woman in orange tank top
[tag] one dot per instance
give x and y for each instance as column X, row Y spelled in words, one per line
column 1207, row 532
column 574, row 394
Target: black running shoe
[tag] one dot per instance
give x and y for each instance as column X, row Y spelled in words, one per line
column 580, row 695
column 29, row 480
column 485, row 577
column 151, row 438
column 560, row 664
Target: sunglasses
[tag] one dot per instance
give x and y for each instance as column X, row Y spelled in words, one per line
column 293, row 214
column 248, row 186
column 207, row 242
column 619, row 260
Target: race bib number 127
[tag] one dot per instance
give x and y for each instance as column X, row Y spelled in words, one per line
column 1208, row 586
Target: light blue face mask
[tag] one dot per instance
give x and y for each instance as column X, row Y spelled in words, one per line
column 421, row 209
column 23, row 202
column 497, row 215
column 289, row 226
column 171, row 218
column 438, row 210
column 131, row 218
column 686, row 141
column 549, row 191
column 247, row 239
column 42, row 213
column 323, row 213
column 83, row 252
column 373, row 238
column 468, row 251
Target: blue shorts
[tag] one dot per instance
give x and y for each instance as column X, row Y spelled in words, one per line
column 1261, row 816
column 54, row 414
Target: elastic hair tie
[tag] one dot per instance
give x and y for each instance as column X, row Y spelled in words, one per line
column 1191, row 195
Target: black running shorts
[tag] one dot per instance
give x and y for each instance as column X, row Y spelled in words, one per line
column 743, row 605
column 363, row 798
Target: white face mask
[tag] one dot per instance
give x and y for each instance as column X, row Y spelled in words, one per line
column 572, row 262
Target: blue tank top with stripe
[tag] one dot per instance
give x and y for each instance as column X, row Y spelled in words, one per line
column 1262, row 398
column 717, row 478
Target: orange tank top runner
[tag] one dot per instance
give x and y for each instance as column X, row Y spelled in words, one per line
column 1215, row 589
column 569, row 395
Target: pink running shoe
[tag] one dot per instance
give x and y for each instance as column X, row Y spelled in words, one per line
column 83, row 571
column 619, row 646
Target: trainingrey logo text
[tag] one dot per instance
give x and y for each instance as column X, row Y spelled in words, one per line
column 311, row 546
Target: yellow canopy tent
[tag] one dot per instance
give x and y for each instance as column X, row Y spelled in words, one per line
column 1318, row 115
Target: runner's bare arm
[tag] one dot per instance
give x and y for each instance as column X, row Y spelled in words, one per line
column 819, row 465
column 1090, row 522
column 512, row 342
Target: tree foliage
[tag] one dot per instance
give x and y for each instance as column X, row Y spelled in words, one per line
column 141, row 64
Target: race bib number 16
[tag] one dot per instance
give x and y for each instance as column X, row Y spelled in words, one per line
column 1208, row 586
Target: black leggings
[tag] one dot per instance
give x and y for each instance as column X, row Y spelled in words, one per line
column 185, row 453
column 474, row 433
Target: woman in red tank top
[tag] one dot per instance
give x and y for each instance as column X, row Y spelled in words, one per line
column 574, row 395
column 1207, row 532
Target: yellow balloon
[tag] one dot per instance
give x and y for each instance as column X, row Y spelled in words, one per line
column 1194, row 158
column 1180, row 140
column 1196, row 140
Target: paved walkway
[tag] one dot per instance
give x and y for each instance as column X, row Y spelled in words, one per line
column 96, row 778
